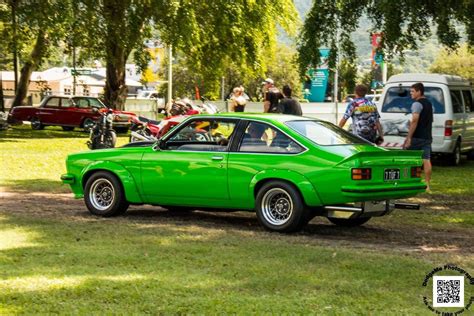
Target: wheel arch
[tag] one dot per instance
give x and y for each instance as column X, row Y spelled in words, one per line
column 124, row 177
column 298, row 181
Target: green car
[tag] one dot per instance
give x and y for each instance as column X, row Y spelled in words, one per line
column 286, row 168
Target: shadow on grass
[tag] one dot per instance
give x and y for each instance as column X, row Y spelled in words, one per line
column 35, row 185
column 121, row 266
column 25, row 132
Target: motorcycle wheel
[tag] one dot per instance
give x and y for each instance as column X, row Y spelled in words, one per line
column 110, row 140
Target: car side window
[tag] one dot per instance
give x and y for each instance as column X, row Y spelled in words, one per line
column 262, row 138
column 66, row 103
column 52, row 103
column 456, row 101
column 467, row 96
column 203, row 135
column 82, row 103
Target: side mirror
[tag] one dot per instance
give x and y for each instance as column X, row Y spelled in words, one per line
column 95, row 110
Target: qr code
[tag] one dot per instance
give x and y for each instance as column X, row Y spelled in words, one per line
column 448, row 291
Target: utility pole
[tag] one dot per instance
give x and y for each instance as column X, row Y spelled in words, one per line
column 336, row 72
column 170, row 73
column 222, row 88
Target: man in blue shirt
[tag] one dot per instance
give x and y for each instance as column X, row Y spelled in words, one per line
column 365, row 117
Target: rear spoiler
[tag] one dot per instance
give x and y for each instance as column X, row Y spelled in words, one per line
column 398, row 155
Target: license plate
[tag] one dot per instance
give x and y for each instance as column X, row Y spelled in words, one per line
column 391, row 174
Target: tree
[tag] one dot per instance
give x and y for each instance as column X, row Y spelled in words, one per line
column 460, row 62
column 207, row 32
column 402, row 23
column 39, row 22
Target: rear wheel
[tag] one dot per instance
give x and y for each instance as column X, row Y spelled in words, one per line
column 36, row 124
column 280, row 207
column 68, row 128
column 104, row 195
column 349, row 222
column 454, row 158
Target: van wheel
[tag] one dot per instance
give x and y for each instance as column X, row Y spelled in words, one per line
column 454, row 159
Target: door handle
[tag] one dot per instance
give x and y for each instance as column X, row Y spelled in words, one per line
column 217, row 158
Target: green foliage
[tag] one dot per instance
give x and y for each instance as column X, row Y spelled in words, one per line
column 402, row 23
column 459, row 62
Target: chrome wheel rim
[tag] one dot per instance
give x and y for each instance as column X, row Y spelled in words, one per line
column 277, row 206
column 102, row 194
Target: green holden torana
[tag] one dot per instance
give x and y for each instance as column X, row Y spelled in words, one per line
column 287, row 169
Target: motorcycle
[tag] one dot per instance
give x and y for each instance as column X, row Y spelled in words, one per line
column 102, row 134
column 143, row 129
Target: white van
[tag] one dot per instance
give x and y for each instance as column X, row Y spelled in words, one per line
column 453, row 113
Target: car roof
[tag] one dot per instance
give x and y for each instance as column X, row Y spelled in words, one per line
column 428, row 77
column 268, row 117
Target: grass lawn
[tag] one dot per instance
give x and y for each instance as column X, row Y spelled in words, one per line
column 57, row 258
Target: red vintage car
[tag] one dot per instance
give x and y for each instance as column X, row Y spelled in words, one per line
column 68, row 112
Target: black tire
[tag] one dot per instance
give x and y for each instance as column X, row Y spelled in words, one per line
column 349, row 222
column 104, row 195
column 36, row 124
column 87, row 124
column 110, row 139
column 68, row 128
column 280, row 207
column 454, row 159
column 470, row 155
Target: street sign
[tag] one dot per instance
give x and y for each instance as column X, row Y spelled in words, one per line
column 78, row 72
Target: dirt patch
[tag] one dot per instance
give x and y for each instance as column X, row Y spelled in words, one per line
column 378, row 234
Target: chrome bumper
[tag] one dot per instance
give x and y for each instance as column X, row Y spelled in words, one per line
column 365, row 209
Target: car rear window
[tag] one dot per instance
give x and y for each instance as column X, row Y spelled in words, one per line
column 324, row 133
column 398, row 100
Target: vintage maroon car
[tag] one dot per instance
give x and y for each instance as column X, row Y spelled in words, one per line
column 68, row 112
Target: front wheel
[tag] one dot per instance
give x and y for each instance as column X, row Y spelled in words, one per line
column 36, row 124
column 104, row 195
column 280, row 207
column 349, row 222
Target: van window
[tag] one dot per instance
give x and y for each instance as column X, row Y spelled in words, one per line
column 456, row 101
column 468, row 100
column 398, row 100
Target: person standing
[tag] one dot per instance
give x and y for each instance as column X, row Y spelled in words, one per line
column 419, row 134
column 365, row 117
column 289, row 105
column 272, row 97
column 238, row 100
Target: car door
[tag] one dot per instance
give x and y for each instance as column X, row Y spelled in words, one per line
column 459, row 116
column 190, row 168
column 65, row 113
column 262, row 147
column 49, row 112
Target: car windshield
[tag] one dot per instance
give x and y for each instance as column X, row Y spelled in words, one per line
column 324, row 133
column 398, row 100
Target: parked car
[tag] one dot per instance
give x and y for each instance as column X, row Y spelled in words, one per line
column 453, row 113
column 286, row 168
column 68, row 112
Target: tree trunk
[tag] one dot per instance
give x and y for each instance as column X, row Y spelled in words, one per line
column 115, row 88
column 32, row 64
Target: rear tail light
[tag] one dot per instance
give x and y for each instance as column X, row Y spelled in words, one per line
column 448, row 128
column 361, row 174
column 416, row 172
